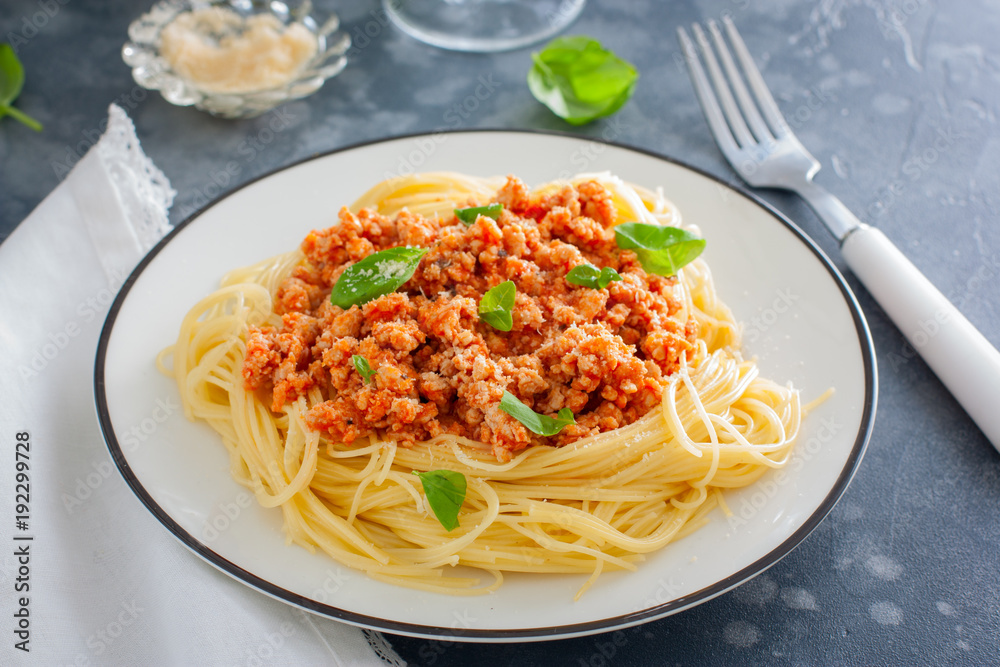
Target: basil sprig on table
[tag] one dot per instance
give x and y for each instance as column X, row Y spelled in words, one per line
column 363, row 368
column 580, row 80
column 469, row 215
column 380, row 273
column 496, row 305
column 534, row 422
column 11, row 82
column 589, row 275
column 661, row 249
column 445, row 491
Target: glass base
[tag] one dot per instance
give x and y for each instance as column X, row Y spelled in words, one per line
column 482, row 25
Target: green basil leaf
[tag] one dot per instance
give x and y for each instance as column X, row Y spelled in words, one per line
column 377, row 274
column 496, row 305
column 363, row 368
column 469, row 215
column 580, row 80
column 661, row 249
column 584, row 274
column 608, row 276
column 445, row 491
column 11, row 83
column 11, row 75
column 588, row 275
column 536, row 423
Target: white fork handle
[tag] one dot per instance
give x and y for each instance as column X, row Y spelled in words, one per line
column 967, row 364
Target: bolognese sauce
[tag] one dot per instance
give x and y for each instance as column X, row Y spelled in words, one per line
column 605, row 353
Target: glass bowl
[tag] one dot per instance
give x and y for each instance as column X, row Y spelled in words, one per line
column 482, row 26
column 153, row 72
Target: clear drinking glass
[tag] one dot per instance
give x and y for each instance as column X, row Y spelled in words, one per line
column 482, row 25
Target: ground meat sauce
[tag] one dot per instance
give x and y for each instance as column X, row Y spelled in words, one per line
column 603, row 353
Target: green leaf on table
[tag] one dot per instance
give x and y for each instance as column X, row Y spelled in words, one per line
column 661, row 249
column 377, row 274
column 471, row 214
column 496, row 305
column 363, row 368
column 11, row 83
column 580, row 80
column 445, row 491
column 589, row 275
column 534, row 422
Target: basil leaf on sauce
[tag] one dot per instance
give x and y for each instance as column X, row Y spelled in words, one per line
column 445, row 491
column 589, row 275
column 661, row 249
column 536, row 423
column 469, row 215
column 377, row 274
column 363, row 368
column 496, row 305
column 580, row 80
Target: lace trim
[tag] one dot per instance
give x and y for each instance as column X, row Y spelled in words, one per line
column 143, row 190
column 382, row 648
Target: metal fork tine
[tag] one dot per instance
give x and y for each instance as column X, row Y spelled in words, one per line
column 733, row 115
column 753, row 117
column 962, row 357
column 767, row 104
column 710, row 105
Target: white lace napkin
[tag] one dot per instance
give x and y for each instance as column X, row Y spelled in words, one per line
column 88, row 576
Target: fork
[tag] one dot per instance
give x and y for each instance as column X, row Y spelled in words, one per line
column 757, row 142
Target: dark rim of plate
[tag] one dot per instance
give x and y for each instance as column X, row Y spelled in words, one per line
column 503, row 635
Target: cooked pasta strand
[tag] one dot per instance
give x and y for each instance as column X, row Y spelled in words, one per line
column 589, row 507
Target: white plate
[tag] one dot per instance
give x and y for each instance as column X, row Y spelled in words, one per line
column 802, row 322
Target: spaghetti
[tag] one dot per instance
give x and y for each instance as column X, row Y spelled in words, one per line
column 594, row 504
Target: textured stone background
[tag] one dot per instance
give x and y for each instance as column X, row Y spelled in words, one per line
column 897, row 98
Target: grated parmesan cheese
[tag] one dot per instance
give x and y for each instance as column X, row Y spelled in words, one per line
column 391, row 269
column 218, row 50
